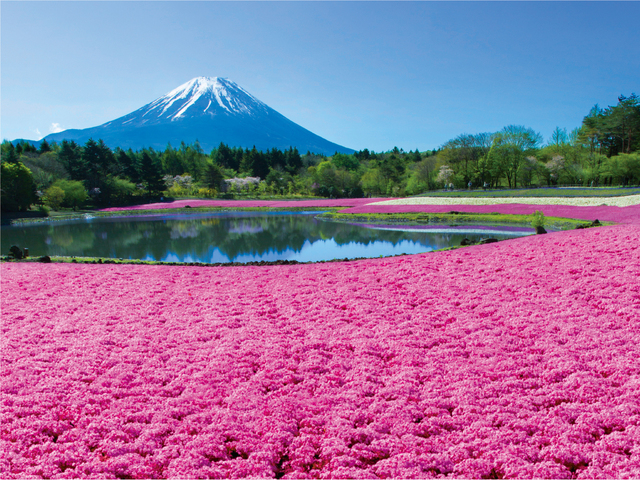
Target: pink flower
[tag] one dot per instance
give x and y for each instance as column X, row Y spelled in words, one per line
column 514, row 359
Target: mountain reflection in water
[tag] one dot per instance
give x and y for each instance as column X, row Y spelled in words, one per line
column 237, row 237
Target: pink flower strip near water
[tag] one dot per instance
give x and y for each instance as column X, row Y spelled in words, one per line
column 320, row 203
column 514, row 359
column 629, row 214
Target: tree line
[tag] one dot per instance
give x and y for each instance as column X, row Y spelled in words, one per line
column 604, row 150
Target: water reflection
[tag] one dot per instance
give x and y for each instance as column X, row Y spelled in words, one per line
column 237, row 236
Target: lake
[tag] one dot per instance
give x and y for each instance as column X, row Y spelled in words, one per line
column 217, row 237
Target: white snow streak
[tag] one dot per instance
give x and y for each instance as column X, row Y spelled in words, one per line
column 227, row 94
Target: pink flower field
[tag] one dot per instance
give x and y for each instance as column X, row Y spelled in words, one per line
column 194, row 203
column 629, row 214
column 516, row 359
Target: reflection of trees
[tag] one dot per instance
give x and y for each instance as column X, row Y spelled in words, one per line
column 253, row 234
column 184, row 230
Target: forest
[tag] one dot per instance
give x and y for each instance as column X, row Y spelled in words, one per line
column 603, row 151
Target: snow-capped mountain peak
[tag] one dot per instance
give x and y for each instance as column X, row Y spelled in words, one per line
column 210, row 110
column 197, row 97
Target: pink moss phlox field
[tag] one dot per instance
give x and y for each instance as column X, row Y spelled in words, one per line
column 629, row 214
column 514, row 359
column 320, row 203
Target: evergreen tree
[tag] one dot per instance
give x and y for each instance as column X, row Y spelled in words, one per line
column 246, row 165
column 292, row 160
column 260, row 163
column 151, row 174
column 44, row 146
column 72, row 160
column 91, row 159
column 224, row 156
column 172, row 162
column 276, row 159
column 392, row 167
column 108, row 162
column 9, row 154
column 213, row 175
column 127, row 164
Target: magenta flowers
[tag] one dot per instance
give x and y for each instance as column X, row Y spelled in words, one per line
column 320, row 203
column 513, row 359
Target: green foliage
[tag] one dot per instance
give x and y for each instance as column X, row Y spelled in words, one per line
column 46, row 168
column 128, row 163
column 18, row 191
column 9, row 154
column 151, row 174
column 44, row 146
column 117, row 190
column 613, row 130
column 53, row 197
column 373, row 182
column 70, row 156
column 213, row 176
column 345, row 162
column 537, row 219
column 75, row 194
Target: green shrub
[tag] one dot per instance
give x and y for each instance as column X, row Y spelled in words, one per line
column 74, row 193
column 17, row 187
column 537, row 219
column 53, row 197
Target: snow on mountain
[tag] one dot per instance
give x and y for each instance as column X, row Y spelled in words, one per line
column 210, row 110
column 197, row 97
column 225, row 93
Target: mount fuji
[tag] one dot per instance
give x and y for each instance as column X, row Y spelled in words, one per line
column 210, row 110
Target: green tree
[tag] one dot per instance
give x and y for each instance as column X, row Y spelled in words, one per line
column 75, row 194
column 613, row 130
column 373, row 182
column 17, row 187
column 225, row 157
column 70, row 156
column 129, row 164
column 118, row 190
column 53, row 197
column 421, row 178
column 213, row 175
column 511, row 146
column 151, row 174
column 93, row 161
column 9, row 154
column 345, row 162
column 259, row 163
column 292, row 160
column 392, row 168
column 248, row 159
column 44, row 146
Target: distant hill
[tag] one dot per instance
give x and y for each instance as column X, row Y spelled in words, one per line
column 210, row 110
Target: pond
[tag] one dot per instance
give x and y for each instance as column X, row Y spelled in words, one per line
column 218, row 237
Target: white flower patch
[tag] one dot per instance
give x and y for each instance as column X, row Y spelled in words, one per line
column 575, row 201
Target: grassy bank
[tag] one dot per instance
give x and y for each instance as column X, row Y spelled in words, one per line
column 451, row 218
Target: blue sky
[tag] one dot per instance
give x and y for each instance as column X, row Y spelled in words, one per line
column 362, row 74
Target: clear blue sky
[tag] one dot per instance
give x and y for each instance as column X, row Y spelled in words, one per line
column 362, row 74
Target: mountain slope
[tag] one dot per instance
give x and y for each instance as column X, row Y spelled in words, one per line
column 210, row 110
